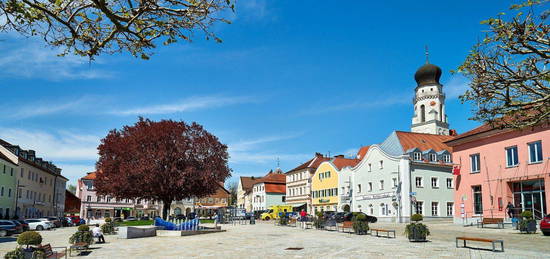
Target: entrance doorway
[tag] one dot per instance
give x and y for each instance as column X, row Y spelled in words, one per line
column 530, row 195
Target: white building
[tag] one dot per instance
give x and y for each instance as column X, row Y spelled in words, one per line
column 269, row 191
column 409, row 172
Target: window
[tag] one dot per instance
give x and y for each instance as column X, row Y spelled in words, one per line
column 435, row 208
column 394, row 181
column 511, row 156
column 9, row 192
column 358, row 188
column 535, row 152
column 419, row 206
column 89, row 198
column 450, row 183
column 2, row 191
column 419, row 182
column 450, row 208
column 433, row 157
column 381, row 184
column 475, row 163
column 22, row 173
column 435, row 182
column 417, row 156
column 370, row 167
column 370, row 187
column 383, row 209
column 11, row 171
column 447, row 158
column 381, row 164
column 478, row 201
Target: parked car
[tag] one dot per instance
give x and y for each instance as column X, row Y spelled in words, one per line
column 144, row 218
column 55, row 221
column 130, row 219
column 24, row 225
column 75, row 220
column 18, row 226
column 545, row 225
column 117, row 219
column 52, row 225
column 7, row 228
column 38, row 224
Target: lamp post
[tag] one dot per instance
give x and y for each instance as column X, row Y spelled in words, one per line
column 17, row 198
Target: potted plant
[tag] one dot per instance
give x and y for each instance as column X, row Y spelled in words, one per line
column 416, row 231
column 283, row 220
column 527, row 224
column 319, row 221
column 360, row 224
column 108, row 227
column 29, row 239
column 83, row 235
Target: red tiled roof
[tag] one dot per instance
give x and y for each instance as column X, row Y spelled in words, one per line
column 362, row 152
column 341, row 162
column 423, row 141
column 249, row 181
column 90, row 176
column 273, row 178
column 275, row 188
column 312, row 163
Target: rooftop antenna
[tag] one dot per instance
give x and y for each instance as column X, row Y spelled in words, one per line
column 278, row 163
column 427, row 55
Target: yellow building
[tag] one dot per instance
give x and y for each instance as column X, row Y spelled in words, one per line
column 324, row 183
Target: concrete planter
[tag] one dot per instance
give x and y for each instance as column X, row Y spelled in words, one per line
column 137, row 232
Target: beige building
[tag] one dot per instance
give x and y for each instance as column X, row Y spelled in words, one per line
column 298, row 183
column 244, row 192
column 40, row 185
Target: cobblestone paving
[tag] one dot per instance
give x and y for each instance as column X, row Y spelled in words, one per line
column 264, row 240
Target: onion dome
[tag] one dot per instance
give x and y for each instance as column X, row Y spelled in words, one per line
column 427, row 74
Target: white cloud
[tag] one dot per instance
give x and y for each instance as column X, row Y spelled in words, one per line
column 456, row 86
column 75, row 171
column 362, row 104
column 189, row 104
column 253, row 151
column 40, row 109
column 26, row 57
column 59, row 146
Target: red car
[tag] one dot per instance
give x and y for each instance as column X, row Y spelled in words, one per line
column 545, row 225
column 75, row 220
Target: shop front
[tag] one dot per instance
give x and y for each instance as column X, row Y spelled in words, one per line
column 529, row 195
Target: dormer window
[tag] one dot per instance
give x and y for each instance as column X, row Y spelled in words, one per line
column 447, row 159
column 417, row 156
column 433, row 157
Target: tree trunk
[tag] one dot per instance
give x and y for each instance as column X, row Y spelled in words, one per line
column 166, row 209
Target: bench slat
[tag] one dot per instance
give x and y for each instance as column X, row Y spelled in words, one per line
column 477, row 239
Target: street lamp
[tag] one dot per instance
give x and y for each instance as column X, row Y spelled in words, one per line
column 17, row 198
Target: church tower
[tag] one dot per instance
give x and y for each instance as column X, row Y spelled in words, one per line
column 429, row 102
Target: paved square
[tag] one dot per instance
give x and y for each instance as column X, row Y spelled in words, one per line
column 264, row 240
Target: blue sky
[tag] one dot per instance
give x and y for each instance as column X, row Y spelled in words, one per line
column 290, row 79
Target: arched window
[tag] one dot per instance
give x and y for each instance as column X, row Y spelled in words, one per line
column 422, row 113
column 177, row 211
column 440, row 112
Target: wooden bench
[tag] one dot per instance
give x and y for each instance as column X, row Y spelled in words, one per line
column 387, row 231
column 79, row 247
column 292, row 222
column 49, row 253
column 346, row 225
column 490, row 221
column 309, row 224
column 492, row 241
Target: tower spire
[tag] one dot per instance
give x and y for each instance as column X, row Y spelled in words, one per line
column 427, row 55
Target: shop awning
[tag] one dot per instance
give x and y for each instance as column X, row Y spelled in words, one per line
column 298, row 205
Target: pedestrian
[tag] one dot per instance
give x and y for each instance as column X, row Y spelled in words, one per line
column 510, row 209
column 96, row 232
column 303, row 219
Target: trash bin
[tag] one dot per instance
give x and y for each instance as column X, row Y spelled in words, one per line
column 252, row 220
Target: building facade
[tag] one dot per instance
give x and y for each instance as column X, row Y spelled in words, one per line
column 325, row 183
column 298, row 183
column 37, row 183
column 8, row 183
column 269, row 190
column 244, row 192
column 501, row 166
column 95, row 208
column 72, row 204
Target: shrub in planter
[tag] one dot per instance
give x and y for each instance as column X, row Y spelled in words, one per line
column 360, row 224
column 527, row 224
column 18, row 253
column 107, row 220
column 83, row 235
column 283, row 221
column 416, row 231
column 29, row 238
column 319, row 221
column 108, row 228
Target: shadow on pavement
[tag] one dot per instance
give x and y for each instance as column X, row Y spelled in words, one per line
column 7, row 239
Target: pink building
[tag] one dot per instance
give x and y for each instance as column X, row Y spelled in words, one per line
column 498, row 166
column 95, row 208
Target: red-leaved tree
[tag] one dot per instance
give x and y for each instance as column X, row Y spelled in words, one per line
column 161, row 161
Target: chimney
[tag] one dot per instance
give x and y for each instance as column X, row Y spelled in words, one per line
column 317, row 154
column 452, row 132
column 340, row 156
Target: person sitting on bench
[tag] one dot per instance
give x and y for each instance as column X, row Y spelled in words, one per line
column 96, row 232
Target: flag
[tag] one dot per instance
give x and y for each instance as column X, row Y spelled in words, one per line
column 456, row 170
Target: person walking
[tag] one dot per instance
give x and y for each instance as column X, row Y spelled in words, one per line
column 510, row 209
column 303, row 219
column 96, row 232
